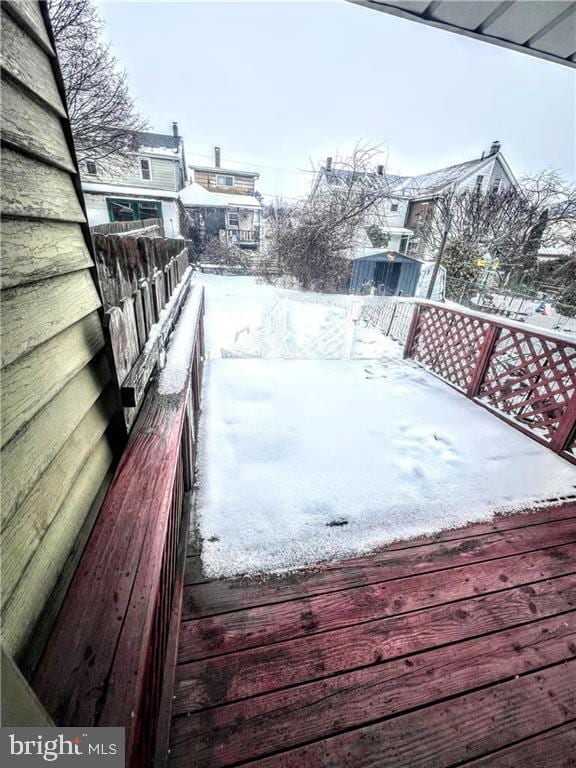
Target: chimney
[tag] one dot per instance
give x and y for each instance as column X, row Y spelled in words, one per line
column 495, row 148
column 328, row 163
column 380, row 170
column 217, row 157
column 175, row 130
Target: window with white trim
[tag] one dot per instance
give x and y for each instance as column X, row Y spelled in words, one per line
column 394, row 207
column 233, row 219
column 479, row 182
column 91, row 167
column 496, row 185
column 145, row 171
column 223, row 180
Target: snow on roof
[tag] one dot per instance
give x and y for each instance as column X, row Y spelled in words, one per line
column 163, row 152
column 214, row 169
column 119, row 189
column 195, row 195
column 156, row 140
column 427, row 183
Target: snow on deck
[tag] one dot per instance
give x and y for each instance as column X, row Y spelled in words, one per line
column 304, row 460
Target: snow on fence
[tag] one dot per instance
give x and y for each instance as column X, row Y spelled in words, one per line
column 519, row 373
column 148, row 227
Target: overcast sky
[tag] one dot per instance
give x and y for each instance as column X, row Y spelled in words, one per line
column 280, row 85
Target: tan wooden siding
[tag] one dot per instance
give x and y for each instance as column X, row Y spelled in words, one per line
column 243, row 185
column 34, row 379
column 34, row 189
column 36, row 250
column 24, row 532
column 64, row 300
column 41, row 575
column 28, row 126
column 26, row 62
column 58, row 401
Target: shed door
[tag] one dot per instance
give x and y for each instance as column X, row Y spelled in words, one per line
column 386, row 276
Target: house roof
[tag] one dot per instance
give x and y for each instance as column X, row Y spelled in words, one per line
column 118, row 189
column 233, row 172
column 424, row 184
column 197, row 196
column 542, row 28
column 156, row 140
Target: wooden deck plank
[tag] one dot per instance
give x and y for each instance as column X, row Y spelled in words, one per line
column 223, row 736
column 448, row 733
column 249, row 673
column 555, row 749
column 264, row 625
column 444, row 651
column 222, row 596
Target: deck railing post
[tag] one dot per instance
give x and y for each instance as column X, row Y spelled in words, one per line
column 490, row 340
column 410, row 339
column 566, row 427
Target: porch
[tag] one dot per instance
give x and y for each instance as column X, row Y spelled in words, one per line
column 397, row 634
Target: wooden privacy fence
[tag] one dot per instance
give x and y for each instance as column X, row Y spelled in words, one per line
column 144, row 282
column 148, row 227
column 519, row 373
column 111, row 657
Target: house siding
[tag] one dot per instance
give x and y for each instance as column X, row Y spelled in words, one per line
column 58, row 402
column 163, row 172
column 243, row 185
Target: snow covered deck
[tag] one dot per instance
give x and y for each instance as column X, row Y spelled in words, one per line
column 318, row 441
column 435, row 643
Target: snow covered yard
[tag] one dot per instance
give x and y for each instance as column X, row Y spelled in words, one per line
column 304, row 460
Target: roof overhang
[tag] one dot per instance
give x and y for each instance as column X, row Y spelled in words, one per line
column 542, row 28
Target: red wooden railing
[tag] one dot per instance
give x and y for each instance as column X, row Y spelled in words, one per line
column 519, row 373
column 111, row 656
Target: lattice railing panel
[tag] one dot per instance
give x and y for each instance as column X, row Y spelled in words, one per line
column 530, row 378
column 450, row 344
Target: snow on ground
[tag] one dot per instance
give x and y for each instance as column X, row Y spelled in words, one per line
column 304, row 460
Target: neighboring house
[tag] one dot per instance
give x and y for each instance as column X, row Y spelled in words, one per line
column 223, row 204
column 145, row 187
column 396, row 267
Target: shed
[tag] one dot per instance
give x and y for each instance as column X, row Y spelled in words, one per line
column 393, row 274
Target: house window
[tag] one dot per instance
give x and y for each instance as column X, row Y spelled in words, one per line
column 121, row 209
column 145, row 168
column 91, row 167
column 496, row 185
column 479, row 180
column 224, row 181
column 403, row 243
column 233, row 219
column 394, row 207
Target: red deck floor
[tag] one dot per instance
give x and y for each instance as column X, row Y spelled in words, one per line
column 454, row 650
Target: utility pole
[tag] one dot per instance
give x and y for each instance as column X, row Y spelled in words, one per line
column 439, row 256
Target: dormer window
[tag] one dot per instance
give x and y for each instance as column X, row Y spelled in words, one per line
column 145, row 168
column 224, row 181
column 91, row 167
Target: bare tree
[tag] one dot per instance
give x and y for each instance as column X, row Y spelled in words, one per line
column 313, row 241
column 511, row 226
column 103, row 116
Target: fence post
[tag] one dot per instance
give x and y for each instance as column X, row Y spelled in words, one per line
column 408, row 347
column 566, row 427
column 394, row 308
column 490, row 339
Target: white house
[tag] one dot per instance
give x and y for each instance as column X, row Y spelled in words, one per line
column 146, row 187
